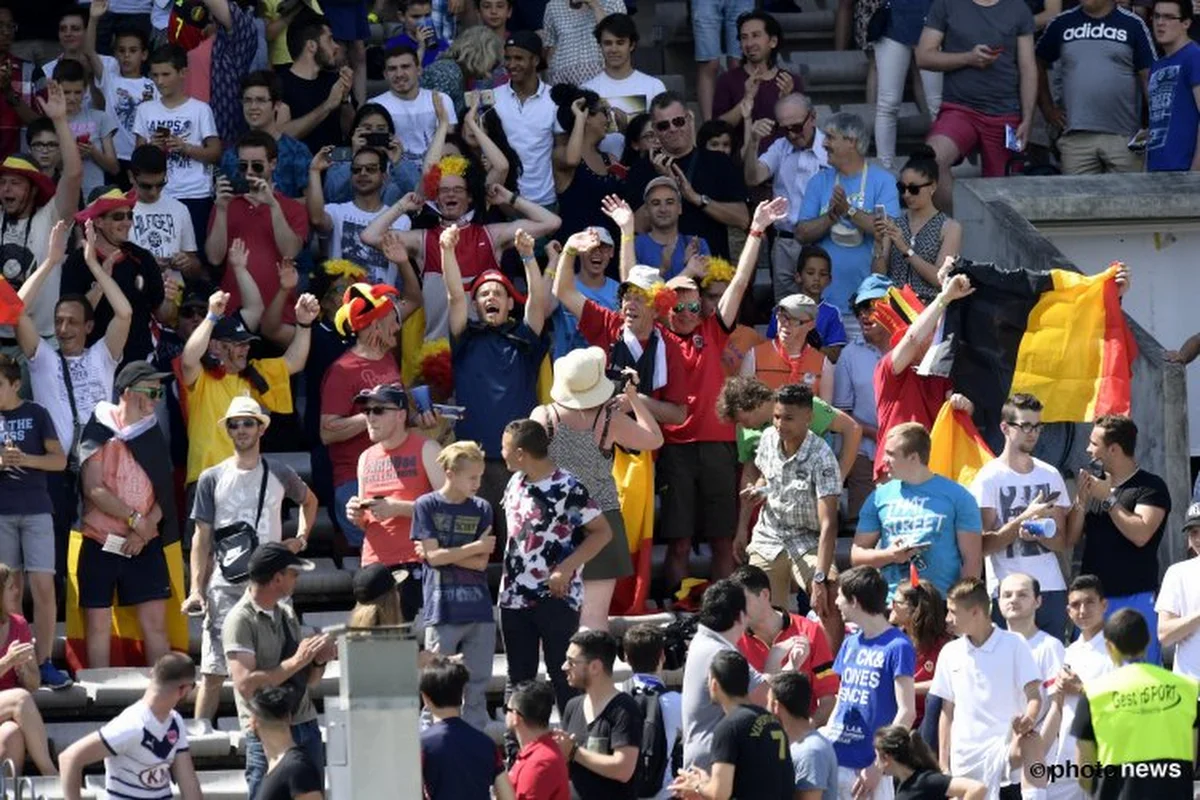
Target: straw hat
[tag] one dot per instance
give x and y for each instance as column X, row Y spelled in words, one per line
column 579, row 379
column 245, row 407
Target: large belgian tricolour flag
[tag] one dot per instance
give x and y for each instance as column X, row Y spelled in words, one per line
column 1058, row 335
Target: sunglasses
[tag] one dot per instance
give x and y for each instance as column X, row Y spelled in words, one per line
column 796, row 128
column 119, row 216
column 152, row 392
column 257, row 167
column 368, row 169
column 379, row 411
column 241, row 424
column 693, row 306
column 673, row 122
column 149, row 187
column 912, row 188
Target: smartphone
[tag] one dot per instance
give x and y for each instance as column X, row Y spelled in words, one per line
column 1137, row 144
column 920, row 546
column 880, row 211
column 485, row 98
column 341, row 154
column 1053, row 496
column 1010, row 139
column 163, row 132
column 239, row 183
column 1096, row 468
column 383, row 140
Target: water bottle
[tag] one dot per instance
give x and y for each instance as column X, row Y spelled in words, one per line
column 1045, row 528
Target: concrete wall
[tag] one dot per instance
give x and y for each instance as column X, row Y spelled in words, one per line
column 1001, row 220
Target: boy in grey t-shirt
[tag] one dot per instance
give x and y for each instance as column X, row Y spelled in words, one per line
column 813, row 757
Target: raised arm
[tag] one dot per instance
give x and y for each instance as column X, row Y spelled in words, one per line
column 118, row 329
column 307, row 309
column 619, row 212
column 252, row 302
column 410, row 288
column 197, row 344
column 97, row 9
column 755, row 171
column 456, row 295
column 66, row 198
column 535, row 301
column 498, row 165
column 535, row 220
column 27, row 333
column 765, row 215
column 273, row 326
column 373, row 234
column 913, row 341
column 564, row 277
column 216, row 244
column 287, row 241
column 314, row 195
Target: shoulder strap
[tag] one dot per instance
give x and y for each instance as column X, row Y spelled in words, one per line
column 70, row 389
column 262, row 490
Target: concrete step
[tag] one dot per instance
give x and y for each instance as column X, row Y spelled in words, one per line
column 828, row 68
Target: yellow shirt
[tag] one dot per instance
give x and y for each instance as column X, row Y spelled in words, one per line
column 277, row 48
column 208, row 399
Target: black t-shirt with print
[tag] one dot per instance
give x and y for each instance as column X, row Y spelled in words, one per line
column 618, row 725
column 752, row 740
column 1123, row 567
column 294, row 775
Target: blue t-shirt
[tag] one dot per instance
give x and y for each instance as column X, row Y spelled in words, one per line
column 815, row 764
column 850, row 264
column 458, row 762
column 931, row 512
column 1171, row 141
column 431, row 53
column 453, row 594
column 866, row 699
column 650, row 252
column 495, row 377
column 829, row 326
column 23, row 489
column 566, row 327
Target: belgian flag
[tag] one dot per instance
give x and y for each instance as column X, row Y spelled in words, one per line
column 1059, row 335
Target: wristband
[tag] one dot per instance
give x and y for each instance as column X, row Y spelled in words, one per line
column 213, row 318
column 757, row 234
column 304, row 325
column 570, row 251
column 133, row 519
column 627, row 237
column 319, row 664
column 529, row 258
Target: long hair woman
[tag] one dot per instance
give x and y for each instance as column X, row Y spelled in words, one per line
column 902, row 754
column 377, row 598
column 919, row 610
column 22, row 731
column 583, row 175
column 585, row 422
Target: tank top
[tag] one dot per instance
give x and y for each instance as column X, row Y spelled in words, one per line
column 397, row 475
column 579, row 203
column 576, row 452
column 925, row 244
column 474, row 250
column 775, row 368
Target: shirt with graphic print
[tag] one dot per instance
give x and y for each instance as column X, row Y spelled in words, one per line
column 141, row 750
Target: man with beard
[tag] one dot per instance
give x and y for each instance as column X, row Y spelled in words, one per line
column 398, row 467
column 457, row 186
column 751, row 90
column 370, row 314
column 135, row 270
column 413, row 108
column 709, row 182
column 316, row 96
column 261, row 99
column 496, row 359
column 215, row 368
column 31, row 204
column 244, row 493
column 128, row 515
column 343, row 222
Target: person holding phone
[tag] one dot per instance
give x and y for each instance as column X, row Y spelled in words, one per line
column 261, row 96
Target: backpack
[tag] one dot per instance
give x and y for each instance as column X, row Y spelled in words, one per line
column 653, row 757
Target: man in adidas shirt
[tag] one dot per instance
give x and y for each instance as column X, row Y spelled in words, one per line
column 1104, row 52
column 145, row 746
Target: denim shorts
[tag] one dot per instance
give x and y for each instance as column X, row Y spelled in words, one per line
column 27, row 542
column 341, row 495
column 709, row 19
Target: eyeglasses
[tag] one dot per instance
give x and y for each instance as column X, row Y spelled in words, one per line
column 257, row 167
column 1166, row 17
column 912, row 188
column 256, row 101
column 787, row 319
column 673, row 122
column 452, row 190
column 797, row 128
column 378, row 411
column 44, row 146
column 1026, row 427
column 693, row 306
column 149, row 187
column 367, row 169
column 240, row 424
column 152, row 392
column 119, row 216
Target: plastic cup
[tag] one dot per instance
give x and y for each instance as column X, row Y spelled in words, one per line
column 421, row 398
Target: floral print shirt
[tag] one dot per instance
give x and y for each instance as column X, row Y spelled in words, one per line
column 545, row 525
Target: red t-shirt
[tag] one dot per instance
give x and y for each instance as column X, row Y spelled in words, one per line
column 809, row 643
column 602, row 328
column 344, row 379
column 926, row 662
column 18, row 631
column 704, row 351
column 540, row 772
column 907, row 397
column 252, row 224
column 399, row 475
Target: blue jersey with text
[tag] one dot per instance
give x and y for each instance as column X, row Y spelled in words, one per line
column 866, row 698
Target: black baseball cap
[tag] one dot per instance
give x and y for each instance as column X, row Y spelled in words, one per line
column 391, row 394
column 272, row 558
column 526, row 40
column 232, row 329
column 373, row 582
column 135, row 372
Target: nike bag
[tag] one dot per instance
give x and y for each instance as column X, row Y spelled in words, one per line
column 234, row 543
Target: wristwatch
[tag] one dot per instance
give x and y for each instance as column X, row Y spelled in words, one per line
column 852, row 212
column 819, row 577
column 910, row 253
column 1107, row 504
column 704, row 200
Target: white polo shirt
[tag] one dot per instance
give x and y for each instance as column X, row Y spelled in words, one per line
column 1180, row 595
column 987, row 686
column 529, row 126
column 792, row 169
column 1088, row 659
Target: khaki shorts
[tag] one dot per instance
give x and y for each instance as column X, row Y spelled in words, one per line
column 212, row 650
column 783, row 572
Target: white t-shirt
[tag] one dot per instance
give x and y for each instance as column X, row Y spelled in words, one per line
column 143, row 749
column 192, row 121
column 23, row 245
column 110, row 63
column 632, row 95
column 1089, row 660
column 1180, row 594
column 1009, row 493
column 1049, row 653
column 160, row 14
column 529, row 125
column 348, row 222
column 415, row 119
column 164, row 228
column 987, row 686
column 122, row 96
column 92, row 375
column 95, row 125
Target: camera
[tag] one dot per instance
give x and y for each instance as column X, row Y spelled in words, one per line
column 1096, row 468
column 619, row 377
column 378, row 140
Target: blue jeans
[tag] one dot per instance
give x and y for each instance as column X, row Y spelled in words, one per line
column 1143, row 603
column 341, row 495
column 307, row 735
column 711, row 18
column 1051, row 617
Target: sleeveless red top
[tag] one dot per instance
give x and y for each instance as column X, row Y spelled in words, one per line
column 475, row 251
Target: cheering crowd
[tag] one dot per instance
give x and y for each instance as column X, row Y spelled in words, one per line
column 509, row 306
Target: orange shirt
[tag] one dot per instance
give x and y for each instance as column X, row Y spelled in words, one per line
column 125, row 478
column 775, row 368
column 398, row 475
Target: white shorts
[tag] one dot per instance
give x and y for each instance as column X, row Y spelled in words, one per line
column 884, row 790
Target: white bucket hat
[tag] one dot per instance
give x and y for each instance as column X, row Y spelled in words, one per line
column 579, row 379
column 245, row 407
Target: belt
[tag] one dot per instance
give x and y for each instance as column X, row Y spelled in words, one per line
column 782, row 234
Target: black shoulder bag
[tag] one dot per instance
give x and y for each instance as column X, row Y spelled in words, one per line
column 234, row 543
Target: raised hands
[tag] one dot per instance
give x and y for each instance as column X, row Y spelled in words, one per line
column 323, row 160
column 523, row 242
column 619, row 212
column 449, row 238
column 289, row 278
column 393, row 247
column 217, row 302
column 497, row 195
column 54, row 105
column 56, row 250
column 239, row 255
column 307, row 309
column 582, row 242
column 768, row 213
